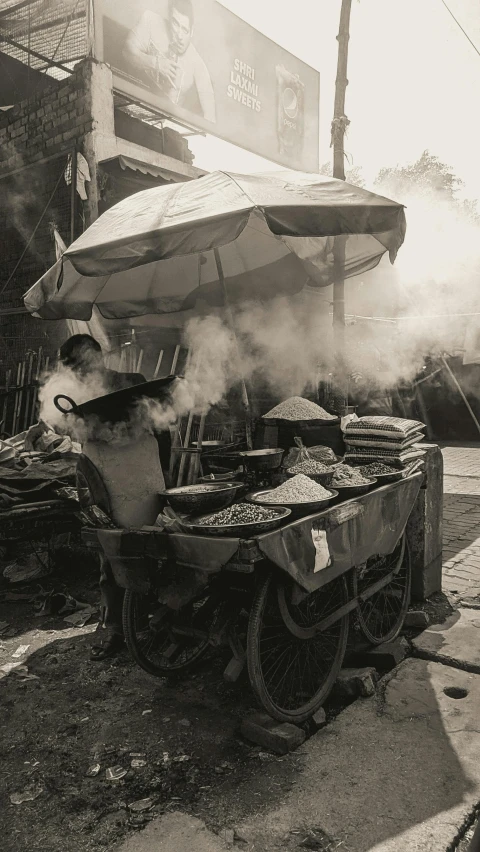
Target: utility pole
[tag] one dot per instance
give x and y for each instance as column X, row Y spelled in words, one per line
column 339, row 126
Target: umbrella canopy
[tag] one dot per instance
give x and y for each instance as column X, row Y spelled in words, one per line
column 158, row 251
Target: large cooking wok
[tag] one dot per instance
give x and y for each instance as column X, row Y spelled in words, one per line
column 114, row 407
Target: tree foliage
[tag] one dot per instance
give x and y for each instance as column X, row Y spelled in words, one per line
column 427, row 176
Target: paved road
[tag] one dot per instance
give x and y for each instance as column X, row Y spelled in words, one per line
column 461, row 530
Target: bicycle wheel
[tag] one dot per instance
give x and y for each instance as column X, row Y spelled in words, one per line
column 292, row 662
column 164, row 641
column 380, row 616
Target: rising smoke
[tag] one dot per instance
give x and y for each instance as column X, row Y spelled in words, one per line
column 282, row 344
column 211, row 369
column 434, row 286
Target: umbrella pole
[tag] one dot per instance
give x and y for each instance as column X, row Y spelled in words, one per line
column 245, row 399
column 341, row 389
column 339, row 125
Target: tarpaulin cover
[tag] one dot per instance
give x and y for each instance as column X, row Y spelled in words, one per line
column 344, row 536
column 37, row 482
column 274, row 232
column 348, row 534
column 206, row 554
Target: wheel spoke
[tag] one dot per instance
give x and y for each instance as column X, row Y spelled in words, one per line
column 380, row 616
column 152, row 629
column 295, row 673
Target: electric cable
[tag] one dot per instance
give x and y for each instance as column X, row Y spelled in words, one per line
column 460, row 26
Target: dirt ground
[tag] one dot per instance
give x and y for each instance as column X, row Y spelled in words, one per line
column 73, row 714
column 62, row 714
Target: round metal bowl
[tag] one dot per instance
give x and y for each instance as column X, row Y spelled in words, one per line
column 202, row 498
column 240, row 487
column 322, row 478
column 240, row 530
column 262, row 459
column 347, row 491
column 213, row 478
column 385, row 478
column 260, row 497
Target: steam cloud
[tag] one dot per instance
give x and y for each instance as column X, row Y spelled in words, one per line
column 283, row 344
column 434, row 282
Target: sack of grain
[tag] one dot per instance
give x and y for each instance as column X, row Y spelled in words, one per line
column 365, row 455
column 387, row 441
column 395, row 427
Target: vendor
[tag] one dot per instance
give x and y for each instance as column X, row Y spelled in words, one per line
column 83, row 355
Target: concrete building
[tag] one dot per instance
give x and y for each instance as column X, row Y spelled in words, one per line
column 49, row 126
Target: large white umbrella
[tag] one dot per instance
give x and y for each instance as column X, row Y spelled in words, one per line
column 246, row 236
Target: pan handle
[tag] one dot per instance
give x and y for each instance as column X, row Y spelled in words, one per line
column 71, row 410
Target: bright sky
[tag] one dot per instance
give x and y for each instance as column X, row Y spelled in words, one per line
column 413, row 81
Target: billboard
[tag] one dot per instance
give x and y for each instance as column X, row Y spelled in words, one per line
column 200, row 64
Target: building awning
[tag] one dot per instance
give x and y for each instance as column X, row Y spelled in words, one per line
column 145, row 169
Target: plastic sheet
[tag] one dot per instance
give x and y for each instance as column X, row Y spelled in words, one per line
column 369, row 526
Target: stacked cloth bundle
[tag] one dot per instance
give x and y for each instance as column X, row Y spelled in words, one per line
column 392, row 440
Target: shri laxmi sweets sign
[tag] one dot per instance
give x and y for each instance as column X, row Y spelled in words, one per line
column 197, row 62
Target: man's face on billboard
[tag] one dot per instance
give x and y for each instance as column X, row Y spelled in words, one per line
column 181, row 30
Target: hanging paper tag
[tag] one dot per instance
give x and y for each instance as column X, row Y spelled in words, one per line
column 322, row 553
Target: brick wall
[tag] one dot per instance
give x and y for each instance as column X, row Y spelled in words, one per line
column 36, row 138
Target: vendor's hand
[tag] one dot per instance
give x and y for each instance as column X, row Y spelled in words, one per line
column 357, row 377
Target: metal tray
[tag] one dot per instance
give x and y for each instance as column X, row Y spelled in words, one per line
column 384, row 478
column 239, row 530
column 324, row 478
column 347, row 491
column 201, row 498
column 270, row 459
column 297, row 509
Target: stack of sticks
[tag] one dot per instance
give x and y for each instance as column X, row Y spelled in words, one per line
column 19, row 394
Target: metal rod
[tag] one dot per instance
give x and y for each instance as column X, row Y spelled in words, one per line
column 183, row 457
column 73, row 194
column 6, row 13
column 159, row 364
column 175, row 360
column 459, row 388
column 245, row 399
column 196, row 458
column 339, row 126
column 34, row 53
column 424, row 412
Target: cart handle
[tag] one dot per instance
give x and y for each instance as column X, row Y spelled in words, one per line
column 70, row 410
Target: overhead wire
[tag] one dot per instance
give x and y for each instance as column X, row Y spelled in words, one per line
column 460, row 27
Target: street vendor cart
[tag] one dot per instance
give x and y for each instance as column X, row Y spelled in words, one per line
column 283, row 600
column 280, row 594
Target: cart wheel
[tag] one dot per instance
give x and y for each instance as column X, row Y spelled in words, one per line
column 163, row 641
column 293, row 666
column 380, row 616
